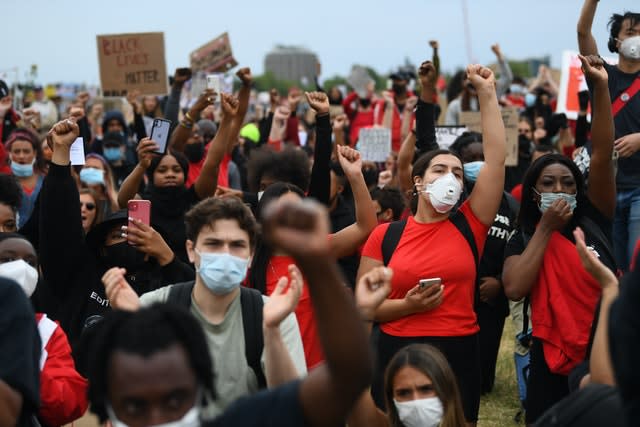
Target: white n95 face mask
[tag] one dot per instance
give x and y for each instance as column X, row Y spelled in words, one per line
column 421, row 412
column 21, row 272
column 444, row 193
column 190, row 419
column 630, row 48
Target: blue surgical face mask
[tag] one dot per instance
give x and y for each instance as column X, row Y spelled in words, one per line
column 529, row 100
column 22, row 171
column 112, row 154
column 222, row 272
column 516, row 89
column 547, row 199
column 92, row 176
column 472, row 169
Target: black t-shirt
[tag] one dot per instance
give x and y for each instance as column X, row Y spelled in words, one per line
column 627, row 121
column 278, row 407
column 20, row 344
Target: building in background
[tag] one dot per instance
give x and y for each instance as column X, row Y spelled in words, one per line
column 292, row 63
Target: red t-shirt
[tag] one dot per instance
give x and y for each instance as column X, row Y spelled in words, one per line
column 427, row 251
column 196, row 168
column 277, row 268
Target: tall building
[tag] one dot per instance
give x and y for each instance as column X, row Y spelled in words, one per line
column 291, row 63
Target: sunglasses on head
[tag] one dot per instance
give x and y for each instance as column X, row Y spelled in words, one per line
column 90, row 206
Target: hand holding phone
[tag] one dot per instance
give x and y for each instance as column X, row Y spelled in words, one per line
column 139, row 210
column 160, row 134
column 426, row 283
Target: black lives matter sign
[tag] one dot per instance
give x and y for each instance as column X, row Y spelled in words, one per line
column 132, row 61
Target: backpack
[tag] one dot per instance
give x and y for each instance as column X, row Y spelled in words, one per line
column 251, row 305
column 594, row 405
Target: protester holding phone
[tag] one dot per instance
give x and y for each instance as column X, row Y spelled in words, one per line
column 166, row 174
column 73, row 265
column 437, row 244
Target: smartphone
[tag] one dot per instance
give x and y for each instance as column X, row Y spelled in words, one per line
column 425, row 283
column 140, row 210
column 160, row 134
column 214, row 81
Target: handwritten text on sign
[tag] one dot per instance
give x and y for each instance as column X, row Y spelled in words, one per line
column 132, row 61
column 374, row 144
column 215, row 56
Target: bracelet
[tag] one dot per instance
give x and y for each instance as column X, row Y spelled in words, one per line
column 188, row 117
column 185, row 124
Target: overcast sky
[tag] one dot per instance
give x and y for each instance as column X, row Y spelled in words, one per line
column 60, row 36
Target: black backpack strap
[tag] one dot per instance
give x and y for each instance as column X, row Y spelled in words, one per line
column 461, row 223
column 525, row 315
column 180, row 294
column 391, row 239
column 251, row 303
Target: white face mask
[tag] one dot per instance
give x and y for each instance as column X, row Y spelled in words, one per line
column 25, row 275
column 420, row 413
column 630, row 48
column 190, row 419
column 444, row 192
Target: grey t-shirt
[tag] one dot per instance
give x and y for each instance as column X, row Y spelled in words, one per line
column 233, row 376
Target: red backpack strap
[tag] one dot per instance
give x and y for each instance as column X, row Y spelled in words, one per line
column 625, row 96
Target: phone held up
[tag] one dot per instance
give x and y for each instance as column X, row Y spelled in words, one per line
column 160, row 134
column 140, row 210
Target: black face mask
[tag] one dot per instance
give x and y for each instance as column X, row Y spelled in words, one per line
column 524, row 147
column 194, row 152
column 399, row 89
column 125, row 256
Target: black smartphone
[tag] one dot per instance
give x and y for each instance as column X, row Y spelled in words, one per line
column 160, row 134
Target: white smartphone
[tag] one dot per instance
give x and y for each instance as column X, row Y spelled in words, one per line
column 425, row 283
column 160, row 134
column 214, row 81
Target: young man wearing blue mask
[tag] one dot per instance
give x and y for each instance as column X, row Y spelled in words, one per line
column 221, row 235
column 624, row 91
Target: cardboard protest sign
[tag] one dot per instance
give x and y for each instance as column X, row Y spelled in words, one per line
column 215, row 56
column 374, row 144
column 572, row 81
column 132, row 61
column 510, row 117
column 446, row 135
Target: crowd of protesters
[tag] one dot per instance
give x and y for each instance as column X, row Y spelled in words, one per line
column 281, row 279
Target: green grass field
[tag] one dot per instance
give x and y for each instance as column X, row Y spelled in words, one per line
column 498, row 408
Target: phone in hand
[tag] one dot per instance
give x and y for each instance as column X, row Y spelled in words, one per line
column 140, row 210
column 214, row 81
column 426, row 283
column 160, row 134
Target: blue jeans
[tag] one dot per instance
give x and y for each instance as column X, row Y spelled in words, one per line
column 626, row 226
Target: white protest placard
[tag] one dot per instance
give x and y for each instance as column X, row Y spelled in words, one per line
column 132, row 62
column 446, row 135
column 359, row 79
column 572, row 81
column 77, row 152
column 374, row 144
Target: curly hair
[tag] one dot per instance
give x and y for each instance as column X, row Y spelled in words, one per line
column 290, row 165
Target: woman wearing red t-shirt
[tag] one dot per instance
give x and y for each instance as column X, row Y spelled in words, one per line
column 541, row 260
column 431, row 246
column 268, row 265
